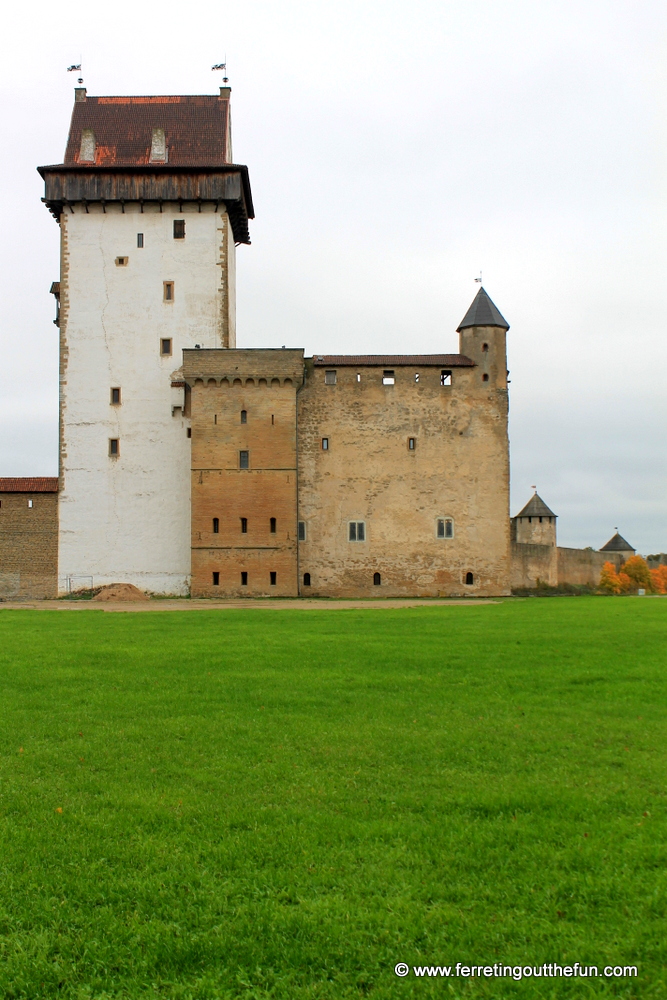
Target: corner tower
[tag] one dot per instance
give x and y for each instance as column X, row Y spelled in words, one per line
column 482, row 337
column 150, row 209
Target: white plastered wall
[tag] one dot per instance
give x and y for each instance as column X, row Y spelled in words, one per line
column 127, row 519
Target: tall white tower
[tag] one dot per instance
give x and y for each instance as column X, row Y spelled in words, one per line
column 150, row 209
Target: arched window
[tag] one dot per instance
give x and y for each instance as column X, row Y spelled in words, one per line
column 244, row 416
column 306, row 579
column 377, row 579
column 485, row 347
column 469, row 579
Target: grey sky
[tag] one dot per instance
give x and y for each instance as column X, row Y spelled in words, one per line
column 395, row 150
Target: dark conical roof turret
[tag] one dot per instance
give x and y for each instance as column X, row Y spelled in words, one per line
column 536, row 507
column 482, row 312
column 617, row 544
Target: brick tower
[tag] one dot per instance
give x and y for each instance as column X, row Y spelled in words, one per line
column 150, row 208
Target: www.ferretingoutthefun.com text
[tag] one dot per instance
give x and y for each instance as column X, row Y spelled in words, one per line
column 548, row 971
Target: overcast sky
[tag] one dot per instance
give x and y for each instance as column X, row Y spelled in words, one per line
column 395, row 150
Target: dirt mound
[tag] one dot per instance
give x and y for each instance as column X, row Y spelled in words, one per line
column 120, row 592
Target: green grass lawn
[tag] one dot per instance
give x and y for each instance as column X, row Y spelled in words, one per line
column 285, row 804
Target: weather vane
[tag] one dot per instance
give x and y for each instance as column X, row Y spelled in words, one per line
column 479, row 280
column 222, row 66
column 76, row 69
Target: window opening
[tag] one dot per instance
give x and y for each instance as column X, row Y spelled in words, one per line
column 358, row 376
column 485, row 347
column 216, row 578
column 140, row 240
column 114, row 447
column 540, row 520
column 416, row 376
column 216, row 525
column 244, row 460
column 115, row 397
column 330, row 378
column 29, row 503
column 273, row 525
column 388, row 377
column 411, row 444
column 485, row 377
column 165, row 347
column 302, row 531
column 244, row 416
column 244, row 525
column 469, row 579
column 189, row 432
column 357, row 531
column 244, row 579
column 273, row 577
column 179, row 229
column 445, row 378
column 273, row 418
column 445, row 527
column 306, row 579
column 325, row 444
column 168, row 291
column 377, row 579
column 121, row 261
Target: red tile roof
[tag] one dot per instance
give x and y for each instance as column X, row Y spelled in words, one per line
column 33, row 484
column 393, row 360
column 196, row 130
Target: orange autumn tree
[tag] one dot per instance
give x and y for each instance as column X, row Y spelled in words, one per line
column 659, row 580
column 609, row 581
column 636, row 569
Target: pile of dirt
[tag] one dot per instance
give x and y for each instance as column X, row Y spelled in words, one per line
column 120, row 592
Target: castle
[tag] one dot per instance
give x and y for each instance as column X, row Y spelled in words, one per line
column 190, row 466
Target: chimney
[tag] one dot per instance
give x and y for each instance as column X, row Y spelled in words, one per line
column 79, row 94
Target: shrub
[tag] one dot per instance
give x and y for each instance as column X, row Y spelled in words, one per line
column 659, row 580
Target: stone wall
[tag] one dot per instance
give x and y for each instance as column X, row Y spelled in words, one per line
column 534, row 564
column 581, row 567
column 261, row 384
column 28, row 545
column 458, row 469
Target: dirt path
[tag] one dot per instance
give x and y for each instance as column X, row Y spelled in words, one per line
column 276, row 604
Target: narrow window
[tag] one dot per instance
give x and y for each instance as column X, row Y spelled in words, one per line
column 244, row 460
column 216, row 525
column 244, row 416
column 29, row 503
column 179, row 229
column 469, row 579
column 244, row 579
column 329, row 378
column 411, row 444
column 215, row 418
column 377, row 579
column 485, row 377
column 273, row 419
column 302, row 531
column 325, row 444
column 388, row 378
column 115, row 397
column 273, row 525
column 416, row 376
column 273, row 577
column 165, row 347
column 485, row 347
column 358, row 376
column 449, row 528
column 189, row 432
column 140, row 240
column 216, row 578
column 540, row 520
column 306, row 579
column 357, row 531
column 121, row 261
column 168, row 291
column 244, row 525
column 114, row 447
column 441, row 528
column 445, row 378
column 530, row 520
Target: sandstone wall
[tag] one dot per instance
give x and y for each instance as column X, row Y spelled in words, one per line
column 534, row 564
column 458, row 469
column 584, row 566
column 28, row 545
